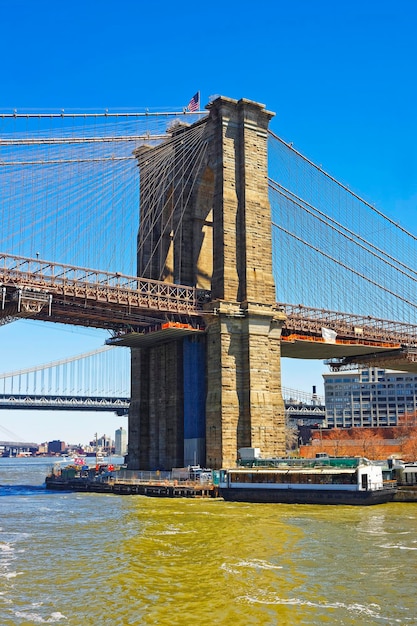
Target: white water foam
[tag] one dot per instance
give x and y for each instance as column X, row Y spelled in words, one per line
column 370, row 610
column 393, row 546
column 38, row 619
column 6, row 547
column 9, row 575
column 253, row 563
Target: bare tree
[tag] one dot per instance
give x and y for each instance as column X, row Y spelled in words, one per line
column 291, row 435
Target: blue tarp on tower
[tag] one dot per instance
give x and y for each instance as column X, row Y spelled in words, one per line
column 194, row 400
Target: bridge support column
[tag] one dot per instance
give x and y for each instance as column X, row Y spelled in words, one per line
column 156, row 423
column 244, row 402
column 167, row 409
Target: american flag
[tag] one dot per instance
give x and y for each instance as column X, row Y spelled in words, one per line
column 194, row 104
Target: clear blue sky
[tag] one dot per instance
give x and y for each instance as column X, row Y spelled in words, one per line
column 340, row 76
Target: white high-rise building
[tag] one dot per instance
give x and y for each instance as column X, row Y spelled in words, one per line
column 369, row 397
column 120, row 442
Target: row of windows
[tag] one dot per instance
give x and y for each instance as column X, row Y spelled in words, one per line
column 295, row 478
column 369, row 387
column 359, row 424
column 371, row 412
column 363, row 416
column 338, row 396
column 367, row 379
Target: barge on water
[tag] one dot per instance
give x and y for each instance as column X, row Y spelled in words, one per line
column 192, row 482
column 307, row 481
column 405, row 473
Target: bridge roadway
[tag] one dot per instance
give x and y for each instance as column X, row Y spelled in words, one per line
column 16, row 447
column 68, row 294
column 142, row 312
column 55, row 402
column 120, row 406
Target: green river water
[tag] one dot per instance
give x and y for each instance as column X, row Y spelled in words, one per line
column 96, row 559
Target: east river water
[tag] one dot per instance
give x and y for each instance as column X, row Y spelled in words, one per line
column 98, row 559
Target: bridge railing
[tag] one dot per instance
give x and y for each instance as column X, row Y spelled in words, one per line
column 308, row 319
column 297, row 397
column 100, row 286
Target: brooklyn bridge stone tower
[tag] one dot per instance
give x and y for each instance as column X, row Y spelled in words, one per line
column 198, row 399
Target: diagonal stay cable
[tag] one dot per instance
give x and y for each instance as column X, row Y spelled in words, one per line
column 346, row 267
column 328, row 221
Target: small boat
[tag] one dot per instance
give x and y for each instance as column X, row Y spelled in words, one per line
column 307, row 481
column 73, row 459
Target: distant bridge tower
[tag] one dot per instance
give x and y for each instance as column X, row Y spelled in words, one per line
column 200, row 398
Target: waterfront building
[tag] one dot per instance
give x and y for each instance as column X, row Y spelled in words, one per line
column 103, row 443
column 120, row 442
column 369, row 397
column 56, row 446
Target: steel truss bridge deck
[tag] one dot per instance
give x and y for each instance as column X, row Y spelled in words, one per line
column 49, row 291
column 76, row 295
column 44, row 402
column 120, row 406
column 358, row 339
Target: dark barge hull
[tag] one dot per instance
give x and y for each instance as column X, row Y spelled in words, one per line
column 77, row 485
column 143, row 489
column 307, row 496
